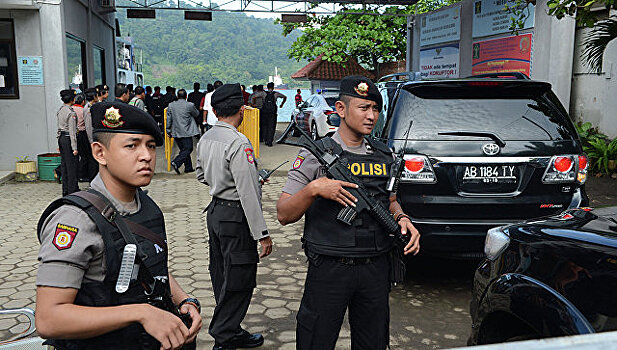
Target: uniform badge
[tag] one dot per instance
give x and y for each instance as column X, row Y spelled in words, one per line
column 249, row 155
column 112, row 118
column 64, row 237
column 362, row 89
column 298, row 162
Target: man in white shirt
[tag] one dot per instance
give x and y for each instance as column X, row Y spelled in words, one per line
column 209, row 116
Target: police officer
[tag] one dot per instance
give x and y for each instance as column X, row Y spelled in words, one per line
column 225, row 162
column 348, row 265
column 67, row 142
column 82, row 301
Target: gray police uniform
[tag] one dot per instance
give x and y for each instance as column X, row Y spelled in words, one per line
column 348, row 265
column 88, row 166
column 67, row 142
column 225, row 162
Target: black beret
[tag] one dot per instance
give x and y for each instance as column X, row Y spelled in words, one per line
column 228, row 94
column 123, row 118
column 361, row 87
column 67, row 93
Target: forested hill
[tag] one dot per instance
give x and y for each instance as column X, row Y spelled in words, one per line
column 233, row 47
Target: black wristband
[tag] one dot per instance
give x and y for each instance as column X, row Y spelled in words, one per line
column 402, row 215
column 193, row 301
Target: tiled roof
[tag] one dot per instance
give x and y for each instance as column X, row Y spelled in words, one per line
column 319, row 69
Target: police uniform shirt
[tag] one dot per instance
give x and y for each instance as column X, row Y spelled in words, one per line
column 72, row 248
column 225, row 162
column 67, row 122
column 88, row 121
column 307, row 168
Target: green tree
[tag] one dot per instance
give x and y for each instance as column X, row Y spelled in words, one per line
column 371, row 38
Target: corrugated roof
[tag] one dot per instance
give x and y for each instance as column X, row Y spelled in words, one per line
column 319, row 69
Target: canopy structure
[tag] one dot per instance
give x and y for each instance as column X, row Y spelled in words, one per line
column 300, row 7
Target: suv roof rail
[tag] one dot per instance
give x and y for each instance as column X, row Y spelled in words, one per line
column 509, row 75
column 401, row 76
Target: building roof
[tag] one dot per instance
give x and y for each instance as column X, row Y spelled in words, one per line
column 319, row 69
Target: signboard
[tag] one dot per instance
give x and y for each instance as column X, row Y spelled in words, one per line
column 503, row 55
column 439, row 62
column 440, row 26
column 489, row 18
column 30, row 70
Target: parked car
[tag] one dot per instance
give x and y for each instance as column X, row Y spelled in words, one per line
column 482, row 152
column 317, row 116
column 546, row 278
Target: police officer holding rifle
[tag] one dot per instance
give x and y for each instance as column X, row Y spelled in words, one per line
column 351, row 227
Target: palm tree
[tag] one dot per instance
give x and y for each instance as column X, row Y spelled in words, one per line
column 596, row 41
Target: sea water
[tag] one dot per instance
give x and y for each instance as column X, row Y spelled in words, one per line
column 284, row 114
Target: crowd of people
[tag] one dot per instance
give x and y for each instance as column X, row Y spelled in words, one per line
column 110, row 286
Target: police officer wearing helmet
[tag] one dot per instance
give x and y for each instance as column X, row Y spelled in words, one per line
column 348, row 265
column 67, row 142
column 83, row 300
column 225, row 162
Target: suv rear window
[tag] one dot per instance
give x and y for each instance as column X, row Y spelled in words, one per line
column 524, row 114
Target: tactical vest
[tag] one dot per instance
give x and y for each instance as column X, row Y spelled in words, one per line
column 94, row 293
column 324, row 234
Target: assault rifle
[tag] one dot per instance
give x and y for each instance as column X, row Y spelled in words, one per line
column 336, row 169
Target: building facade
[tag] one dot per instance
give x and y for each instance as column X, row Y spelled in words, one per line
column 47, row 46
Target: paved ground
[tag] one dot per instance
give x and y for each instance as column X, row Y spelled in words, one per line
column 429, row 311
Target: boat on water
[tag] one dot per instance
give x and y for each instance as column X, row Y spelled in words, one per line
column 130, row 62
column 278, row 82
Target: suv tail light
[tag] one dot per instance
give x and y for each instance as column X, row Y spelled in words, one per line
column 332, row 118
column 418, row 169
column 566, row 168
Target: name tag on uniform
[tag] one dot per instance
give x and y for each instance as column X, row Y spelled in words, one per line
column 368, row 169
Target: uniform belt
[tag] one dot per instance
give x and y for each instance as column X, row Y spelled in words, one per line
column 351, row 261
column 64, row 133
column 226, row 202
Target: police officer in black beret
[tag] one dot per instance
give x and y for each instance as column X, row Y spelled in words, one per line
column 226, row 162
column 348, row 265
column 67, row 142
column 103, row 279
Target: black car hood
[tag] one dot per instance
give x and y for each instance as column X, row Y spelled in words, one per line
column 597, row 226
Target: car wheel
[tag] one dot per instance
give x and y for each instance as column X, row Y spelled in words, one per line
column 314, row 134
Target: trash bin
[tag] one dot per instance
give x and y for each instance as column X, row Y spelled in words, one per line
column 47, row 163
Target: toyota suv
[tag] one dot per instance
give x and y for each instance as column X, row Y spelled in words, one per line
column 482, row 152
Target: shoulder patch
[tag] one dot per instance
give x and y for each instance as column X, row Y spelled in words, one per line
column 64, row 237
column 298, row 162
column 249, row 155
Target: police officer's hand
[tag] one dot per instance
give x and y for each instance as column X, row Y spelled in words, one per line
column 334, row 190
column 165, row 327
column 75, row 152
column 407, row 228
column 195, row 319
column 266, row 246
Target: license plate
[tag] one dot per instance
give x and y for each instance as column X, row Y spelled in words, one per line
column 490, row 174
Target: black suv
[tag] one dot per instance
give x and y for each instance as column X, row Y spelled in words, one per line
column 547, row 278
column 481, row 152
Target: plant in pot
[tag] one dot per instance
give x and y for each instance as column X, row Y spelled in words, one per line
column 25, row 169
column 602, row 155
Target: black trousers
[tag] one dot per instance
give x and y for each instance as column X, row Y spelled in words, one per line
column 331, row 288
column 269, row 127
column 233, row 267
column 68, row 166
column 88, row 167
column 185, row 144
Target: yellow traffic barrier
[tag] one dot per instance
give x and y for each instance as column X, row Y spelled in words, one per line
column 169, row 141
column 250, row 127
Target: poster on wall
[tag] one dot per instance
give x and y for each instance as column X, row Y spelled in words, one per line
column 503, row 55
column 440, row 26
column 490, row 18
column 439, row 62
column 30, row 70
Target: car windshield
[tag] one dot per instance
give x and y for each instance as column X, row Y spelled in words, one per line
column 524, row 118
column 331, row 101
